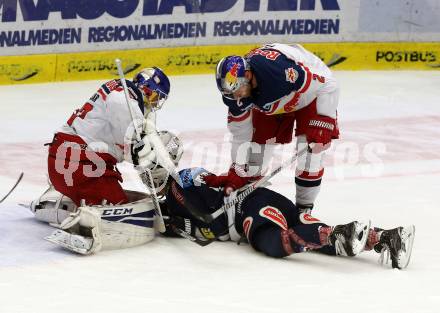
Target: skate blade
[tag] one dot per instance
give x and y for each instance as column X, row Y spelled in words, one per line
column 361, row 229
column 408, row 234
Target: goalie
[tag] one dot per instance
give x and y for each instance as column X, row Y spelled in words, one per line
column 87, row 229
column 116, row 123
column 84, row 152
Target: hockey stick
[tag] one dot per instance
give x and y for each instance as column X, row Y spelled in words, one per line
column 190, row 237
column 13, row 187
column 208, row 218
column 147, row 180
column 146, row 177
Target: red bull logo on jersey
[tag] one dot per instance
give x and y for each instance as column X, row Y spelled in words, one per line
column 274, row 215
column 291, row 75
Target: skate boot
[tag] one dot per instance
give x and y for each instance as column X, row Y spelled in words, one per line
column 349, row 239
column 51, row 207
column 397, row 243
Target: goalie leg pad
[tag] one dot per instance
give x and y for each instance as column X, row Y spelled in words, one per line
column 95, row 228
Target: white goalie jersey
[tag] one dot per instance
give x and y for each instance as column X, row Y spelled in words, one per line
column 104, row 122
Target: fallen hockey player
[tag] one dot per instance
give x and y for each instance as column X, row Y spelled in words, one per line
column 270, row 222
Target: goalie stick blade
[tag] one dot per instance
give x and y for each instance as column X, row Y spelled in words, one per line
column 13, row 187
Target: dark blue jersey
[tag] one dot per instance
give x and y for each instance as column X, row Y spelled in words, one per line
column 196, row 193
column 262, row 206
column 260, row 218
column 277, row 77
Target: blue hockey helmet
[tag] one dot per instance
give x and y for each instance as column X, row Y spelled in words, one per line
column 154, row 86
column 230, row 74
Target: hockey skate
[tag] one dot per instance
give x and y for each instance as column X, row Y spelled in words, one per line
column 349, row 239
column 397, row 244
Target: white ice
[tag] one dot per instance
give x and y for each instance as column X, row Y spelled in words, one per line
column 385, row 167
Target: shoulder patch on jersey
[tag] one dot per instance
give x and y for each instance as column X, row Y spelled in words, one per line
column 308, row 219
column 247, row 223
column 291, row 75
column 274, row 215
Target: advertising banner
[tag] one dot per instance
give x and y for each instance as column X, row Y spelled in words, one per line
column 203, row 59
column 47, row 26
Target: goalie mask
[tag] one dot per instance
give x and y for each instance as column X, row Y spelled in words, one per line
column 154, row 86
column 174, row 147
column 230, row 75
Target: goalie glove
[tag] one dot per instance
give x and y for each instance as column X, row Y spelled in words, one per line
column 143, row 154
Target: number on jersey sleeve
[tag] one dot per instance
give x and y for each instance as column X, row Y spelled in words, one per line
column 81, row 113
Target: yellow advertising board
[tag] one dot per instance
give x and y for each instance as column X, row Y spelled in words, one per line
column 202, row 60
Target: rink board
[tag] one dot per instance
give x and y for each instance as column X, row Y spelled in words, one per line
column 202, row 60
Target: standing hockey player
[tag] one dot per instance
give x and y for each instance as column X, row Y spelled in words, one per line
column 266, row 92
column 84, row 152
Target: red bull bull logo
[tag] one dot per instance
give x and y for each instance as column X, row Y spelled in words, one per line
column 231, row 78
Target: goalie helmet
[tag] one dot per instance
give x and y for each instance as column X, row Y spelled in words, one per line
column 175, row 148
column 230, row 74
column 154, row 86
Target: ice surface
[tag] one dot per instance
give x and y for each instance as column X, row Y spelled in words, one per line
column 386, row 168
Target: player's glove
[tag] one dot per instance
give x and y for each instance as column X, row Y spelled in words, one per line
column 233, row 180
column 320, row 129
column 143, row 154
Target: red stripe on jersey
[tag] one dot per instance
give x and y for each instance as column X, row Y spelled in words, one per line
column 275, row 106
column 102, row 94
column 240, row 118
column 289, row 106
column 308, row 78
column 311, row 176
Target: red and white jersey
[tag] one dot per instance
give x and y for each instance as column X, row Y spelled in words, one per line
column 104, row 122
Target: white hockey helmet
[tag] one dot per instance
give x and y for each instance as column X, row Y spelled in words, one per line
column 175, row 148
